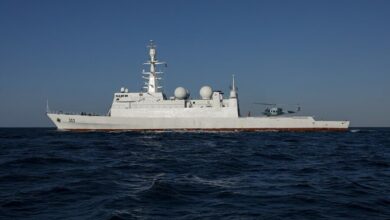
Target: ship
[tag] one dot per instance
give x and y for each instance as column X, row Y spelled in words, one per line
column 152, row 110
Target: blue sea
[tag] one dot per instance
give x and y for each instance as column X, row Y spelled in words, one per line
column 49, row 174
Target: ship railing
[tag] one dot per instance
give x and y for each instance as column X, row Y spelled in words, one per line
column 73, row 113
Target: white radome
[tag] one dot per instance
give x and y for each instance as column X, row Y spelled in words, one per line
column 181, row 93
column 206, row 92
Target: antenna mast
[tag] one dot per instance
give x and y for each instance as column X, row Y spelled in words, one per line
column 47, row 106
column 152, row 84
column 233, row 89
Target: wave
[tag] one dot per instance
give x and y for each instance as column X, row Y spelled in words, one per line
column 46, row 174
column 41, row 161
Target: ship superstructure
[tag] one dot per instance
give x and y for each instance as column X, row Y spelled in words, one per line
column 153, row 110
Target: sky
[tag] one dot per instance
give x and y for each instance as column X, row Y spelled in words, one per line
column 331, row 57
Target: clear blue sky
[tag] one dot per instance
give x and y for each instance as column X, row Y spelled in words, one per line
column 333, row 57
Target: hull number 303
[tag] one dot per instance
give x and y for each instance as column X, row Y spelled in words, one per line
column 72, row 120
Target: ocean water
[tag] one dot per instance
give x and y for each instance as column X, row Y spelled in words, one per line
column 47, row 174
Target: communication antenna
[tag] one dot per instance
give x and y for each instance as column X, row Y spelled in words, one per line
column 47, row 106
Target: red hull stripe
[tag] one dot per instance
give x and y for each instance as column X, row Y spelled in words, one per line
column 223, row 129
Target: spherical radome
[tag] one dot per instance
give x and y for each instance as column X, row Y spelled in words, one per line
column 206, row 92
column 181, row 93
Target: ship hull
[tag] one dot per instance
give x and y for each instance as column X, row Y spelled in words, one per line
column 107, row 123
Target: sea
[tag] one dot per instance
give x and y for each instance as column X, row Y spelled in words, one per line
column 50, row 174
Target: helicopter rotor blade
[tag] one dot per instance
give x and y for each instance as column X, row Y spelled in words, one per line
column 262, row 103
column 278, row 104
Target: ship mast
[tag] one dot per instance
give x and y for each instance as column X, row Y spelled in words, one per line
column 234, row 96
column 152, row 84
column 233, row 89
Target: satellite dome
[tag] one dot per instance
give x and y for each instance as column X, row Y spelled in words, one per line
column 206, row 92
column 181, row 93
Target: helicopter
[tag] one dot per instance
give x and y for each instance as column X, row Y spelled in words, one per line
column 273, row 109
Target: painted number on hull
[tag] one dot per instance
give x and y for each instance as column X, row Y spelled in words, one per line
column 72, row 120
